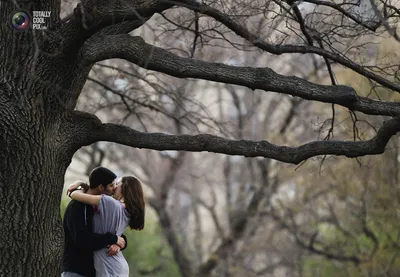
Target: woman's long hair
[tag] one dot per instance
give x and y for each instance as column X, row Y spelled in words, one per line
column 134, row 201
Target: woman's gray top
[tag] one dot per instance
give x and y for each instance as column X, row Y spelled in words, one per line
column 112, row 217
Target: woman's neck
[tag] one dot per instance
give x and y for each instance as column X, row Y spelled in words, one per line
column 122, row 202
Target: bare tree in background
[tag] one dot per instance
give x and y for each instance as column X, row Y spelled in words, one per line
column 43, row 72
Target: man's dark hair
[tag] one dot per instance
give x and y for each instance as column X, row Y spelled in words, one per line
column 101, row 176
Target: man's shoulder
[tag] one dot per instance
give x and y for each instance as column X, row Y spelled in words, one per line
column 75, row 205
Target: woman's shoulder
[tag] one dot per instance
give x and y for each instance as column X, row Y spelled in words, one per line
column 109, row 200
column 108, row 197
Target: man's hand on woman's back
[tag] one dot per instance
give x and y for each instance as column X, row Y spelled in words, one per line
column 115, row 248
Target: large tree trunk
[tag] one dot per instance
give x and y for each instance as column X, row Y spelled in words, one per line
column 39, row 87
column 34, row 157
column 31, row 180
column 33, row 161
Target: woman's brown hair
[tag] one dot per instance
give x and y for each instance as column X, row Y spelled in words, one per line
column 134, row 201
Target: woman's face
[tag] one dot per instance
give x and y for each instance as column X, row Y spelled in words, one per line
column 118, row 190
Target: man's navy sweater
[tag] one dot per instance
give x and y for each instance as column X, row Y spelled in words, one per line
column 80, row 242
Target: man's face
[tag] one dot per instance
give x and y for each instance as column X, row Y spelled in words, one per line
column 118, row 190
column 109, row 189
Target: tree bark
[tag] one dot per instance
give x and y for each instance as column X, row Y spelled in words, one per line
column 35, row 153
column 38, row 86
column 33, row 161
column 31, row 181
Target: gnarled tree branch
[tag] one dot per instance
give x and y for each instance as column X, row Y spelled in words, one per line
column 136, row 50
column 90, row 130
column 106, row 17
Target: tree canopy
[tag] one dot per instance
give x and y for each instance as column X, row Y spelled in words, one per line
column 329, row 33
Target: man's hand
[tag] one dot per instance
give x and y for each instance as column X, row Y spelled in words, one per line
column 113, row 250
column 120, row 242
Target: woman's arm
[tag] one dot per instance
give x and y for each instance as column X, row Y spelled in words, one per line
column 75, row 186
column 80, row 196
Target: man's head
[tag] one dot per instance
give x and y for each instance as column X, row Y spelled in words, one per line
column 101, row 180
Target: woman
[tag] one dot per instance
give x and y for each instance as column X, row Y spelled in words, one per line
column 114, row 214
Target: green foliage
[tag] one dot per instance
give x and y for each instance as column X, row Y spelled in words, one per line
column 148, row 252
column 314, row 266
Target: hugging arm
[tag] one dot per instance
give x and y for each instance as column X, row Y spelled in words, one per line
column 82, row 197
column 82, row 236
column 126, row 242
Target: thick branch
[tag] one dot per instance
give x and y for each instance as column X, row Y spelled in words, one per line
column 95, row 131
column 136, row 50
column 106, row 17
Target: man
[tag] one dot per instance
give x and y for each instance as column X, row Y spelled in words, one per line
column 80, row 242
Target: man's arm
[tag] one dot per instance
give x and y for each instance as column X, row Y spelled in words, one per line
column 80, row 234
